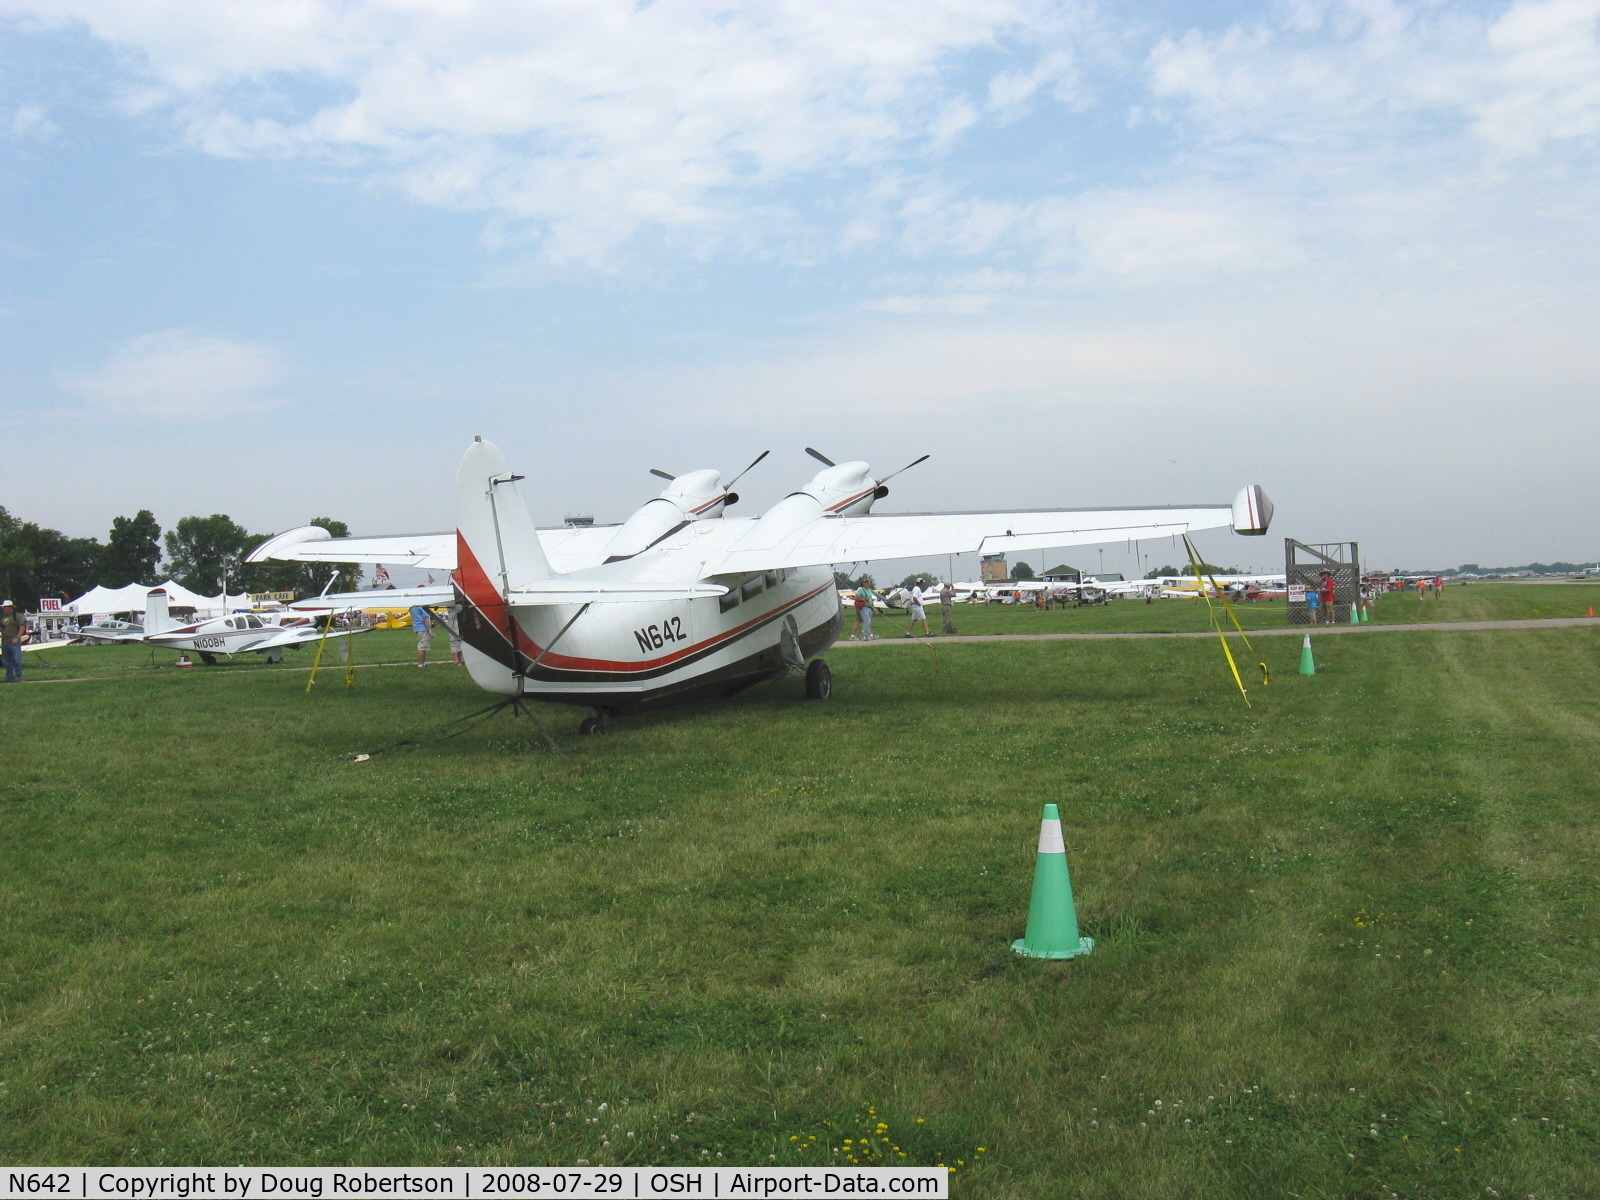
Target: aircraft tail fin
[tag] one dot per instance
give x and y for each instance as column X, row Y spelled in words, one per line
column 497, row 551
column 157, row 617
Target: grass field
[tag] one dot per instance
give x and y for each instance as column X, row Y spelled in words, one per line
column 1346, row 939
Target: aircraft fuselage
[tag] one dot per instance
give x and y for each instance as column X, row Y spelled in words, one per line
column 624, row 657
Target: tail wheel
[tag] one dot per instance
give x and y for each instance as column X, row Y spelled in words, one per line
column 819, row 680
column 594, row 724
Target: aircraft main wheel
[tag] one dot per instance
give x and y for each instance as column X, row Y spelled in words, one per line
column 591, row 725
column 210, row 660
column 819, row 680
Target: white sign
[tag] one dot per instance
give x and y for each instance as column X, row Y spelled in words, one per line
column 1297, row 593
column 49, row 606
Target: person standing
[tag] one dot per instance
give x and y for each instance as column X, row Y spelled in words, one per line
column 422, row 626
column 453, row 625
column 864, row 599
column 918, row 613
column 1328, row 590
column 947, row 609
column 11, row 631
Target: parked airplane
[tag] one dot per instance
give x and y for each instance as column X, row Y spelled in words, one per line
column 699, row 607
column 239, row 633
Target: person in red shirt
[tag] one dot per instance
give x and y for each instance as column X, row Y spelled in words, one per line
column 1326, row 589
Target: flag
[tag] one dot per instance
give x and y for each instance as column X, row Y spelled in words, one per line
column 430, row 580
column 381, row 575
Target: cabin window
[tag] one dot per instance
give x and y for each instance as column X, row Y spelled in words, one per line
column 754, row 588
column 254, row 622
column 728, row 601
column 772, row 579
column 233, row 622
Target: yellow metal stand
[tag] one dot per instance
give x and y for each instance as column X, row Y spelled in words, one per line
column 1202, row 578
column 322, row 644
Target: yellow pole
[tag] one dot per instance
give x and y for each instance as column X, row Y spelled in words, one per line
column 322, row 642
column 1201, row 583
column 349, row 657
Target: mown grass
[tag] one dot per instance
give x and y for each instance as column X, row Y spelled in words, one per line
column 1346, row 938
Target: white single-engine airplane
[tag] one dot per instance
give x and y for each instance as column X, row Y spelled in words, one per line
column 238, row 633
column 680, row 602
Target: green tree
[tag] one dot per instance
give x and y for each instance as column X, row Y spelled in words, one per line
column 132, row 553
column 198, row 546
column 920, row 579
column 1021, row 570
column 16, row 559
column 62, row 566
column 305, row 579
column 36, row 562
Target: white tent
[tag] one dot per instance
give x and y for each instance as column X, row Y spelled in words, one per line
column 131, row 599
column 110, row 600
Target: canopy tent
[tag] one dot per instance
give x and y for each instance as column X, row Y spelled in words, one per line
column 132, row 597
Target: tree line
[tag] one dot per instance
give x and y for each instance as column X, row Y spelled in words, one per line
column 36, row 562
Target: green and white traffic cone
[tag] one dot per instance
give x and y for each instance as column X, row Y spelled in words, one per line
column 1355, row 615
column 1052, row 918
column 1308, row 665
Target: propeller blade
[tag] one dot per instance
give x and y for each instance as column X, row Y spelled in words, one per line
column 662, row 475
column 729, row 485
column 821, row 458
column 905, row 468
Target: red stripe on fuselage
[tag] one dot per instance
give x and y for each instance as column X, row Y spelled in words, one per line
column 476, row 586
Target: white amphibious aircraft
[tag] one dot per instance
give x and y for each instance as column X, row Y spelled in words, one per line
column 239, row 633
column 680, row 602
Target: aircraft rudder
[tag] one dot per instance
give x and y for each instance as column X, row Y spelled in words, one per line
column 157, row 612
column 494, row 531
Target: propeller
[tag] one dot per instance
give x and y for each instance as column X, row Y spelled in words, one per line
column 883, row 489
column 820, row 457
column 730, row 496
column 905, row 468
column 747, row 470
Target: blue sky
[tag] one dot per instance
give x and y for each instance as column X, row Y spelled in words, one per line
column 285, row 260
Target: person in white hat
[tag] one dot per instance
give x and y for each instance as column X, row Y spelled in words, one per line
column 11, row 631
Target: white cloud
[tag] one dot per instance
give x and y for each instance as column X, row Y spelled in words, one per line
column 29, row 123
column 1390, row 75
column 795, row 130
column 595, row 119
column 179, row 375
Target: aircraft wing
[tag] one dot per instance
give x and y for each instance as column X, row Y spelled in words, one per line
column 54, row 644
column 297, row 635
column 428, row 595
column 586, row 588
column 569, row 548
column 914, row 535
column 111, row 635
